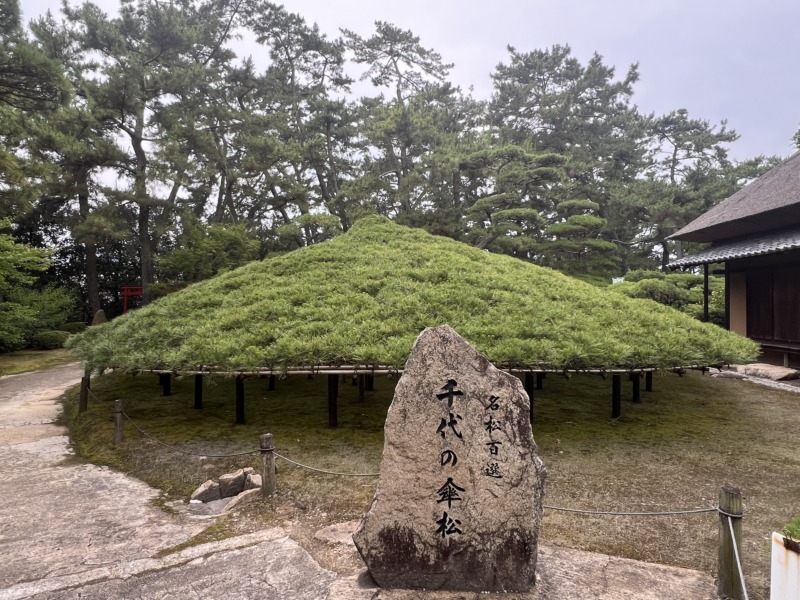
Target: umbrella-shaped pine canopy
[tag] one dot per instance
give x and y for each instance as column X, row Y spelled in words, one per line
column 362, row 298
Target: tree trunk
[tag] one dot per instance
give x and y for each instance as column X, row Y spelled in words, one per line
column 90, row 248
column 143, row 219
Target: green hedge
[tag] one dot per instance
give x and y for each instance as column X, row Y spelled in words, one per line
column 49, row 340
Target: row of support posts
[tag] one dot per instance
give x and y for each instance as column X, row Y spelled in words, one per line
column 532, row 382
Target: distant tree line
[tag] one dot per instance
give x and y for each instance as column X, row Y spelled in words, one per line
column 140, row 149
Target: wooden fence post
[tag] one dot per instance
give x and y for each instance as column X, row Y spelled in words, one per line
column 729, row 584
column 268, row 478
column 83, row 399
column 118, row 422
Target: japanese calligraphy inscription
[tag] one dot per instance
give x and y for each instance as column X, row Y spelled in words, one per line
column 459, row 500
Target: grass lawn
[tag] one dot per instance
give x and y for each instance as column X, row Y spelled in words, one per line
column 688, row 438
column 23, row 361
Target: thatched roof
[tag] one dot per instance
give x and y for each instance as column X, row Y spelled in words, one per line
column 770, row 202
column 362, row 298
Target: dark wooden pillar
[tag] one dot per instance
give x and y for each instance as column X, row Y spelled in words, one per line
column 370, row 383
column 198, row 391
column 636, row 379
column 240, row 400
column 362, row 385
column 333, row 396
column 529, row 387
column 648, row 381
column 705, row 292
column 271, row 384
column 539, row 381
column 616, row 396
column 166, row 383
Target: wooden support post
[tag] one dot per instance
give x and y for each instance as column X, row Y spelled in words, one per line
column 271, row 384
column 198, row 391
column 529, row 387
column 83, row 399
column 539, row 381
column 166, row 384
column 333, row 396
column 370, row 383
column 240, row 400
column 118, row 410
column 706, row 293
column 636, row 384
column 616, row 396
column 268, row 476
column 648, row 381
column 354, row 380
column 362, row 386
column 729, row 584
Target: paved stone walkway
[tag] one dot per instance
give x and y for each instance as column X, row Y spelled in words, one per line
column 70, row 530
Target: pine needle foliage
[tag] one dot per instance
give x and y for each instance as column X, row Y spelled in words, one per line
column 363, row 297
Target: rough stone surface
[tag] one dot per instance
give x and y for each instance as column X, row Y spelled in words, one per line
column 206, row 492
column 340, row 533
column 231, row 484
column 243, row 498
column 766, row 371
column 252, row 482
column 459, row 500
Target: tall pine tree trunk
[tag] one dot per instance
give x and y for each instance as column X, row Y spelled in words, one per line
column 143, row 219
column 90, row 248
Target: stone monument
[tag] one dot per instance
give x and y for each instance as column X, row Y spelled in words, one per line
column 459, row 499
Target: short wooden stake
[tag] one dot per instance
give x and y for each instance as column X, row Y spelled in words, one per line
column 271, row 384
column 240, row 400
column 636, row 380
column 118, row 416
column 616, row 396
column 729, row 584
column 333, row 396
column 539, row 381
column 362, row 386
column 648, row 381
column 529, row 387
column 198, row 391
column 268, row 476
column 83, row 399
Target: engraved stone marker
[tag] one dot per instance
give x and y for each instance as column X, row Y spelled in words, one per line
column 459, row 500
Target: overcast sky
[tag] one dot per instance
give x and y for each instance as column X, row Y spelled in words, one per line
column 720, row 59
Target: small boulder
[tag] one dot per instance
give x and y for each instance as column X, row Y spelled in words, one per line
column 241, row 499
column 231, row 484
column 253, row 482
column 249, row 471
column 207, row 492
column 766, row 371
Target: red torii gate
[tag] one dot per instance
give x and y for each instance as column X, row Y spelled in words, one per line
column 127, row 292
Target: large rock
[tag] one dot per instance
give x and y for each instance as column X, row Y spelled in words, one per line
column 766, row 371
column 459, row 500
column 232, row 484
column 207, row 492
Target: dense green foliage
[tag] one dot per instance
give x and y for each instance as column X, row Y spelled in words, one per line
column 363, row 297
column 683, row 291
column 49, row 340
column 215, row 157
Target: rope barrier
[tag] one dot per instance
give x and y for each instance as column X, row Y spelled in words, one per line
column 633, row 514
column 738, row 560
column 175, row 449
column 294, row 462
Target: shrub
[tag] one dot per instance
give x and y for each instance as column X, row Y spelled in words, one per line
column 792, row 529
column 49, row 340
column 73, row 327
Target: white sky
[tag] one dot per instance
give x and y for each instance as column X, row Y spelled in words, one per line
column 720, row 59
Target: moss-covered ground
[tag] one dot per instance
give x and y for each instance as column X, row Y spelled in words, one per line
column 689, row 437
column 23, row 361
